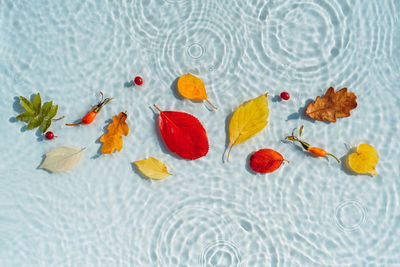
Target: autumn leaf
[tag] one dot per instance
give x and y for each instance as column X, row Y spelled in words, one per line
column 265, row 160
column 61, row 159
column 364, row 160
column 332, row 105
column 152, row 168
column 248, row 120
column 183, row 134
column 112, row 140
column 193, row 88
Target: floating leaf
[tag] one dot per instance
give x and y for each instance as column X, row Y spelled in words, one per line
column 152, row 168
column 37, row 115
column 26, row 116
column 332, row 105
column 37, row 103
column 53, row 112
column 46, row 124
column 46, row 108
column 61, row 159
column 183, row 134
column 193, row 88
column 364, row 160
column 248, row 120
column 36, row 122
column 265, row 160
column 112, row 140
column 27, row 105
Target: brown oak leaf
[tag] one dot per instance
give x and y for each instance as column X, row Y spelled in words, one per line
column 332, row 105
column 112, row 140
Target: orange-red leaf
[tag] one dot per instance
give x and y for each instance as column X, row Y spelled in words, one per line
column 332, row 105
column 265, row 160
column 183, row 134
column 112, row 140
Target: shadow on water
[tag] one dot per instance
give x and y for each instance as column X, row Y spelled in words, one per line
column 97, row 141
column 129, row 84
column 174, row 89
column 301, row 113
column 227, row 142
column 276, row 98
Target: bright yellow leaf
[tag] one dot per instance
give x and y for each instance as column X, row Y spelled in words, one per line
column 112, row 140
column 364, row 160
column 152, row 168
column 248, row 120
column 192, row 87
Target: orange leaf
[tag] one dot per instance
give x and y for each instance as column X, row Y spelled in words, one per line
column 332, row 105
column 112, row 139
column 192, row 87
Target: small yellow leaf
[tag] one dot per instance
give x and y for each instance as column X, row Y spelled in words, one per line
column 364, row 160
column 192, row 87
column 248, row 120
column 152, row 168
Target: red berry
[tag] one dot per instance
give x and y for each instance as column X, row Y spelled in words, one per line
column 138, row 80
column 50, row 135
column 285, row 95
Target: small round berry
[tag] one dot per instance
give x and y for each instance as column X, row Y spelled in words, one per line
column 285, row 95
column 50, row 135
column 138, row 80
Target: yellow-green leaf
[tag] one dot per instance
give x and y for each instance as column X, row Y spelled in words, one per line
column 152, row 168
column 364, row 160
column 248, row 120
column 36, row 122
column 46, row 108
column 53, row 112
column 26, row 116
column 37, row 103
column 46, row 124
column 27, row 104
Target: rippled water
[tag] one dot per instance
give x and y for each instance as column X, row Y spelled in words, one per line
column 310, row 212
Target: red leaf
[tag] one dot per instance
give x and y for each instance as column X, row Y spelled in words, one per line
column 183, row 134
column 265, row 160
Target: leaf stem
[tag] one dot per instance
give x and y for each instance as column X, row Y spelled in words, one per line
column 333, row 157
column 229, row 152
column 59, row 118
column 157, row 108
column 73, row 124
column 211, row 104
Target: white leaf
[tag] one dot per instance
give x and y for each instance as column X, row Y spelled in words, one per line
column 61, row 159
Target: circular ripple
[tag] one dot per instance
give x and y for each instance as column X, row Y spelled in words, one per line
column 210, row 232
column 350, row 215
column 317, row 41
column 195, row 50
column 221, row 253
column 204, row 47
